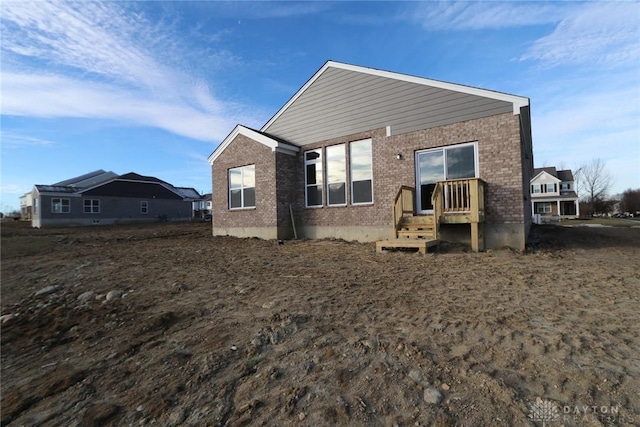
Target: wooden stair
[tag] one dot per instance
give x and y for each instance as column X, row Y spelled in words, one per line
column 413, row 232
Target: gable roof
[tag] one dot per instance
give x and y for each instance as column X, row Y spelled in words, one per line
column 562, row 175
column 87, row 179
column 342, row 99
column 276, row 144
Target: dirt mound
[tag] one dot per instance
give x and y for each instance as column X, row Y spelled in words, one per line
column 165, row 324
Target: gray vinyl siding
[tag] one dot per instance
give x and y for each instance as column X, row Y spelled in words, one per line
column 112, row 210
column 342, row 102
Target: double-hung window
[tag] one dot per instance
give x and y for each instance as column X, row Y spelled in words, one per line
column 144, row 207
column 551, row 188
column 544, row 207
column 242, row 187
column 535, row 188
column 60, row 205
column 336, row 175
column 361, row 172
column 91, row 206
column 313, row 177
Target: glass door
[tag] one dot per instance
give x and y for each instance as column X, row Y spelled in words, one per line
column 429, row 170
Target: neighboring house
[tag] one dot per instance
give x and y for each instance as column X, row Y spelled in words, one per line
column 553, row 193
column 26, row 206
column 107, row 198
column 202, row 207
column 369, row 155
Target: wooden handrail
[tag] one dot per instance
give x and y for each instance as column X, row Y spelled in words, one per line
column 459, row 196
column 404, row 203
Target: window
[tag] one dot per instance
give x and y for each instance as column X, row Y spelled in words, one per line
column 535, row 188
column 60, row 206
column 361, row 172
column 144, row 207
column 565, row 186
column 242, row 187
column 313, row 177
column 91, row 206
column 336, row 175
column 440, row 164
column 551, row 188
column 544, row 207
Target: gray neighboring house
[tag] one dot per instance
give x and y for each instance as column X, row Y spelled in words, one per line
column 101, row 198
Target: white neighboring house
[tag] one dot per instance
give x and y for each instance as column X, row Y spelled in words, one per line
column 26, row 206
column 553, row 193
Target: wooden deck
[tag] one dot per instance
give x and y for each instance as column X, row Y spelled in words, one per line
column 421, row 244
column 459, row 201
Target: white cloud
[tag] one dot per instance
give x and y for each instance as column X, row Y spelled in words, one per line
column 598, row 33
column 465, row 15
column 100, row 60
column 12, row 139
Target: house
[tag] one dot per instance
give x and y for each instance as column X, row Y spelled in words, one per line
column 553, row 193
column 202, row 207
column 26, row 207
column 370, row 155
column 101, row 197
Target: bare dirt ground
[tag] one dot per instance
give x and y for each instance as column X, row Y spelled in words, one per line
column 163, row 324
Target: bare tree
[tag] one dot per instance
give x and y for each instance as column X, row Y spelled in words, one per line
column 593, row 182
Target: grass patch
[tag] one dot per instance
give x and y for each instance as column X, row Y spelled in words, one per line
column 21, row 246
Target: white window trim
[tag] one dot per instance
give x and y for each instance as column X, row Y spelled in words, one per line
column 241, row 188
column 326, row 171
column 535, row 187
column 319, row 161
column 542, row 207
column 91, row 206
column 61, row 205
column 351, row 175
column 144, row 207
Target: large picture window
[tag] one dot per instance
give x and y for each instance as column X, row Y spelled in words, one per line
column 336, row 175
column 60, row 205
column 361, row 172
column 91, row 206
column 242, row 187
column 313, row 177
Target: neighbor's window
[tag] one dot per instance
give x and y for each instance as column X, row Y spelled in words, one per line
column 551, row 188
column 60, row 205
column 565, row 186
column 544, row 207
column 144, row 207
column 242, row 187
column 336, row 175
column 91, row 206
column 313, row 177
column 361, row 172
column 535, row 188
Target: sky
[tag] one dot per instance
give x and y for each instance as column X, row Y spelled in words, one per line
column 154, row 87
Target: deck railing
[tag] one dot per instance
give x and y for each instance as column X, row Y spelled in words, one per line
column 403, row 204
column 460, row 196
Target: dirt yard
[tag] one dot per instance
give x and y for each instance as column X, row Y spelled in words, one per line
column 166, row 325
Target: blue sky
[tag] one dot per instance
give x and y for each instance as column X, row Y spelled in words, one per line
column 153, row 87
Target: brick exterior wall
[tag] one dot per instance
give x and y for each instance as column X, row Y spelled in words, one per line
column 501, row 159
column 242, row 152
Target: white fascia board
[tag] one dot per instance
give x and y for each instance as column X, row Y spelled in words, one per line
column 275, row 146
column 541, row 174
column 517, row 101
